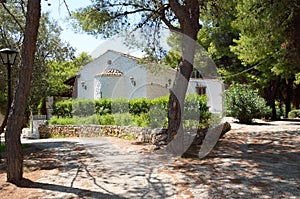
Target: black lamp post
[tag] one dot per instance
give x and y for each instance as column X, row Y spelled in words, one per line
column 8, row 57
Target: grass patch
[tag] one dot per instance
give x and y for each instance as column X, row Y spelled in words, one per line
column 2, row 147
column 57, row 136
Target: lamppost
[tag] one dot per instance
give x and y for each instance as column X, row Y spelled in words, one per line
column 8, row 57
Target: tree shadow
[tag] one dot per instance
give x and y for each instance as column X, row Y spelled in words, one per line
column 266, row 164
column 137, row 175
column 26, row 183
column 107, row 169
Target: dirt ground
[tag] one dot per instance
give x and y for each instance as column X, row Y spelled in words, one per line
column 251, row 161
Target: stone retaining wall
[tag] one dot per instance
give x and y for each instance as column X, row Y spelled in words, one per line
column 158, row 136
column 154, row 136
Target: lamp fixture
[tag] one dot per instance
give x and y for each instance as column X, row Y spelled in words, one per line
column 83, row 85
column 8, row 57
column 133, row 82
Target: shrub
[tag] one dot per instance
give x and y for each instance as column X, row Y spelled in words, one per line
column 62, row 121
column 106, row 119
column 120, row 105
column 196, row 113
column 136, row 112
column 160, row 102
column 294, row 113
column 158, row 116
column 141, row 120
column 63, row 108
column 122, row 119
column 82, row 108
column 103, row 106
column 139, row 106
column 244, row 103
column 92, row 119
column 195, row 107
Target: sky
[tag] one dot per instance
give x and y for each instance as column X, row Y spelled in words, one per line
column 82, row 41
column 58, row 11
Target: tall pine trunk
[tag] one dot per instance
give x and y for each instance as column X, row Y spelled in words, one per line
column 178, row 141
column 16, row 115
column 188, row 16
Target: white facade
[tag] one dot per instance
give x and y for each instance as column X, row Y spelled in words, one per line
column 115, row 74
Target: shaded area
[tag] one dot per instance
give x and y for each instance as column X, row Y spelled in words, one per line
column 249, row 165
column 249, row 162
column 26, row 183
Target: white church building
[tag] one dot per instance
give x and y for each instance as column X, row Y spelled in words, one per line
column 114, row 74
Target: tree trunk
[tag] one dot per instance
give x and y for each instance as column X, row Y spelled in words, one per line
column 188, row 16
column 270, row 94
column 16, row 115
column 179, row 141
column 178, row 92
column 289, row 94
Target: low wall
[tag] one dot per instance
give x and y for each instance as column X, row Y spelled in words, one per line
column 158, row 136
column 154, row 136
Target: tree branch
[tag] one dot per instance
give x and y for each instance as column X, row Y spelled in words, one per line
column 15, row 19
column 168, row 23
column 64, row 1
column 178, row 10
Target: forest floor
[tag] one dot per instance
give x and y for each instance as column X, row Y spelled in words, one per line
column 251, row 161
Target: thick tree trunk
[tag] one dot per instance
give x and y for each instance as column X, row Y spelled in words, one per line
column 178, row 140
column 16, row 115
column 178, row 92
column 188, row 16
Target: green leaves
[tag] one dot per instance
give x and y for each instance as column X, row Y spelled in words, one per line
column 244, row 103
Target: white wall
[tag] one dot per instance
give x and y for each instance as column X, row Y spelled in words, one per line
column 87, row 74
column 112, row 86
column 214, row 92
column 147, row 84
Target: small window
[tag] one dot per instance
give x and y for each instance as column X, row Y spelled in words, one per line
column 201, row 90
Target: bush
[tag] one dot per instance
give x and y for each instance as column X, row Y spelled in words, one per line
column 123, row 119
column 141, row 120
column 63, row 108
column 83, row 108
column 160, row 102
column 244, row 103
column 103, row 106
column 139, row 106
column 196, row 113
column 106, row 119
column 92, row 119
column 294, row 113
column 136, row 112
column 158, row 116
column 62, row 121
column 120, row 105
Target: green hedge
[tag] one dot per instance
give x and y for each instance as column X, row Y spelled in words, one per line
column 136, row 112
column 63, row 108
column 81, row 108
column 294, row 113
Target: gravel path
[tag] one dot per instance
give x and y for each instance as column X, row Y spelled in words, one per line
column 257, row 161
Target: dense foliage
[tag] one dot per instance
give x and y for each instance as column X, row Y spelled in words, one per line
column 294, row 113
column 256, row 42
